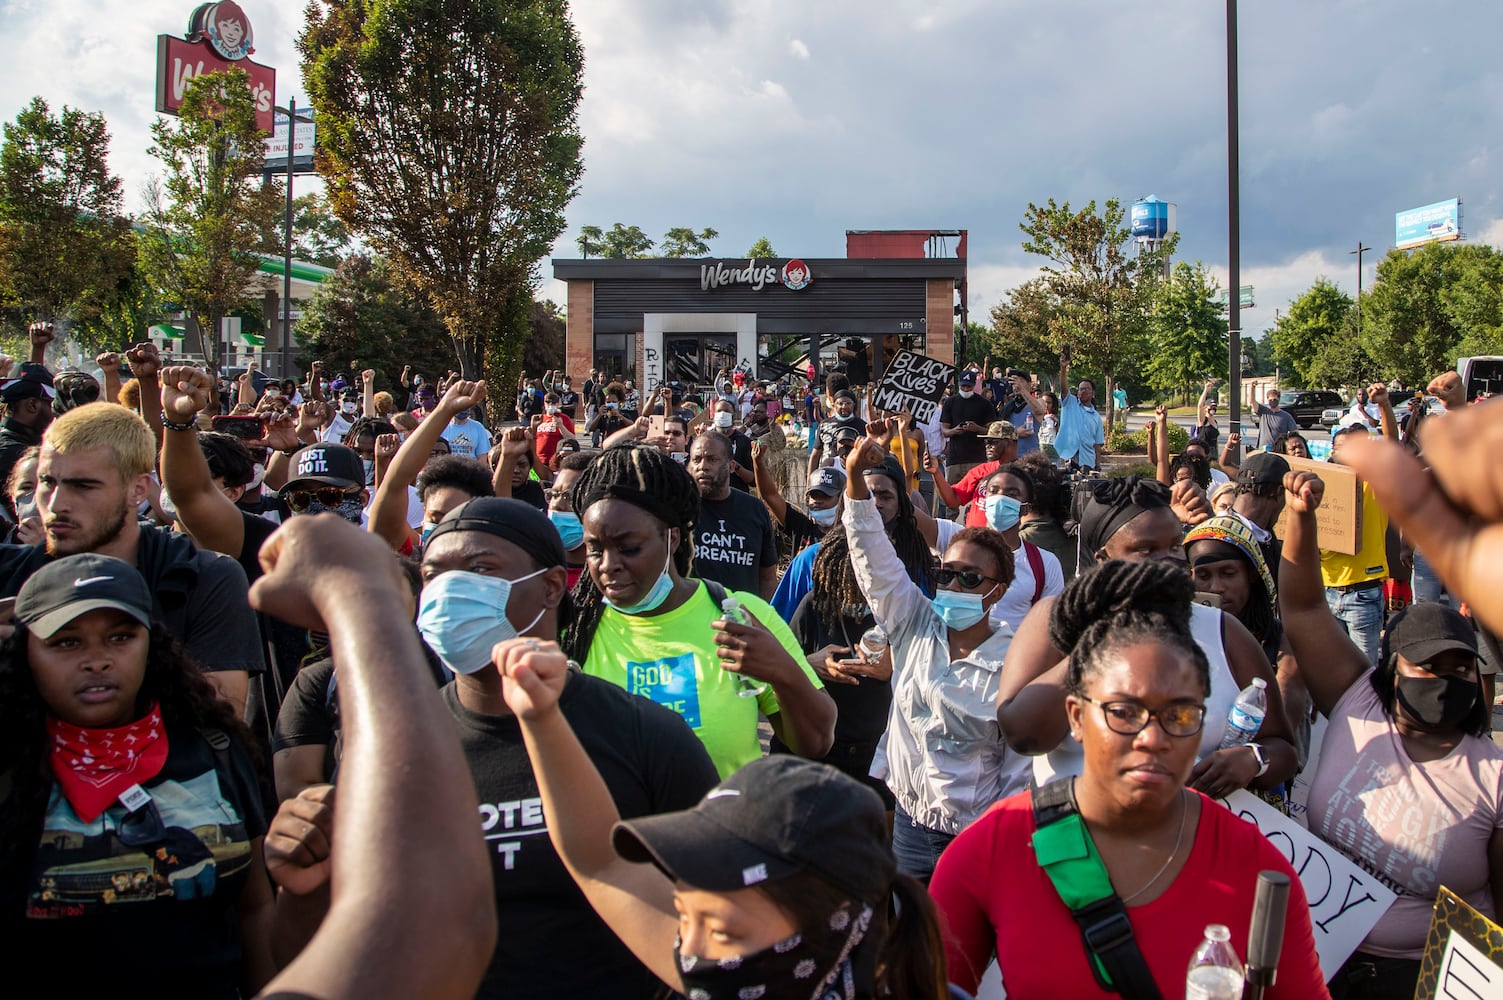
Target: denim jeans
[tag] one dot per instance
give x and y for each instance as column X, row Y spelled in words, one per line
column 1360, row 612
column 917, row 848
column 1426, row 585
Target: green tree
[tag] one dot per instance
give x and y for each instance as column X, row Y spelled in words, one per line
column 1019, row 336
column 318, row 235
column 761, row 249
column 1257, row 355
column 363, row 311
column 64, row 241
column 1188, row 331
column 452, row 147
column 545, row 348
column 129, row 310
column 1313, row 323
column 625, row 241
column 591, row 241
column 1428, row 303
column 1103, row 291
column 200, row 246
column 684, row 242
column 1342, row 362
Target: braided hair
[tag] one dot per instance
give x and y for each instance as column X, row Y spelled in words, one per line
column 1199, row 466
column 1119, row 603
column 647, row 471
column 835, row 587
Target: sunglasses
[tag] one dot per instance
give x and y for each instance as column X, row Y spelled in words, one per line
column 969, row 578
column 328, row 496
column 1129, row 718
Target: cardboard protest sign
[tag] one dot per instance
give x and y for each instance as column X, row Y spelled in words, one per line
column 1345, row 901
column 1463, row 953
column 1299, row 785
column 914, row 383
column 1339, row 517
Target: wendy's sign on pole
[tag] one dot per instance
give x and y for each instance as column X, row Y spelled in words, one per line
column 219, row 38
column 914, row 383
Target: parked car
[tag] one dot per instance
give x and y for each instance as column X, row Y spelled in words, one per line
column 1308, row 406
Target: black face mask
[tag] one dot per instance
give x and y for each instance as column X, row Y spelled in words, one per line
column 1436, row 702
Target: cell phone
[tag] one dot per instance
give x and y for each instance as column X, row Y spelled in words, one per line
column 657, row 426
column 244, row 428
column 1207, row 599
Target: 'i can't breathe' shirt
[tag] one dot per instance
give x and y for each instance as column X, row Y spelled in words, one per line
column 671, row 659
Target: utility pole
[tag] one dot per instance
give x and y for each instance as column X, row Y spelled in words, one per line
column 1359, row 252
column 292, row 121
column 1233, row 223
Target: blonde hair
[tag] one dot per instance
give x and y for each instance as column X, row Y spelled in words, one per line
column 384, row 403
column 106, row 425
column 1226, row 491
column 130, row 395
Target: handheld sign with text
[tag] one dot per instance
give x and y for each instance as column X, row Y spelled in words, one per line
column 1339, row 517
column 914, row 383
column 1345, row 901
column 1463, row 953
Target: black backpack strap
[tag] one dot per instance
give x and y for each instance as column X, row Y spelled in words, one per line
column 718, row 594
column 1063, row 848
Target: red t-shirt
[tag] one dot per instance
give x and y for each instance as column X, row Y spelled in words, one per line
column 994, row 897
column 551, row 432
column 965, row 492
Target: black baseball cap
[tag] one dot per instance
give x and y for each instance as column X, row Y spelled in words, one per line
column 327, row 465
column 967, row 377
column 1263, row 471
column 65, row 588
column 1423, row 631
column 32, row 381
column 775, row 817
column 829, row 481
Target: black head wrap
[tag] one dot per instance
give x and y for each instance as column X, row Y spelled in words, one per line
column 520, row 523
column 1111, row 503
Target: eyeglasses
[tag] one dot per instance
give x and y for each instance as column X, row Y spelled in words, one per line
column 328, row 496
column 969, row 578
column 1129, row 718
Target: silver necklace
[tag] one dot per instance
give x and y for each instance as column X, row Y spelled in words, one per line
column 1184, row 811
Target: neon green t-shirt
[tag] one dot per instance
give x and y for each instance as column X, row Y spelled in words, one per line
column 671, row 659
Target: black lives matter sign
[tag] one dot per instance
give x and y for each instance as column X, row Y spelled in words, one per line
column 914, row 383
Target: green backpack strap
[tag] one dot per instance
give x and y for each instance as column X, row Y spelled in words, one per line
column 1063, row 848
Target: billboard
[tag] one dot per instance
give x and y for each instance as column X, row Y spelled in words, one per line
column 1429, row 224
column 302, row 150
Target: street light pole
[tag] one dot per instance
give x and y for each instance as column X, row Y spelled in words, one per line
column 1359, row 252
column 292, row 119
column 1233, row 224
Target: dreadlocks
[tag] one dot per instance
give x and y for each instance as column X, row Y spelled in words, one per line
column 1120, row 603
column 835, row 589
column 648, row 479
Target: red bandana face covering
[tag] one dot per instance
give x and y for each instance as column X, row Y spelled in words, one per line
column 94, row 766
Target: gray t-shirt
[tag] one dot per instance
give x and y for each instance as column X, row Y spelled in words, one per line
column 1272, row 424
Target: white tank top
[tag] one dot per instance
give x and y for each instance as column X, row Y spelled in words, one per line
column 1205, row 626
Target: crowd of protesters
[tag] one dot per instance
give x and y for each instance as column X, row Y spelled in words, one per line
column 624, row 695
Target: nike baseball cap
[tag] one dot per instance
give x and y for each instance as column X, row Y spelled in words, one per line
column 65, row 588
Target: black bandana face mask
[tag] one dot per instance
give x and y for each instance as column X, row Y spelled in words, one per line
column 1436, row 702
column 787, row 968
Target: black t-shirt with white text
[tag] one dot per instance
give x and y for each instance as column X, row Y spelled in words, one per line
column 550, row 942
column 733, row 541
column 741, row 452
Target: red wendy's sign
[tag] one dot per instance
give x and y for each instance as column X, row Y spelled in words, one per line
column 219, row 38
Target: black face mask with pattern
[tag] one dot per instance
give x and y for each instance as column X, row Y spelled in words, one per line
column 790, row 967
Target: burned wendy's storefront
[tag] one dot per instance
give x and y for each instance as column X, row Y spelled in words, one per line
column 685, row 319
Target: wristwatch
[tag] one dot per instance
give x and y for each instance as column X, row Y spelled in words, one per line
column 1260, row 757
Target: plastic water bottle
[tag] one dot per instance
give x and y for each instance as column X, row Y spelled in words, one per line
column 1215, row 972
column 1246, row 716
column 873, row 643
column 730, row 610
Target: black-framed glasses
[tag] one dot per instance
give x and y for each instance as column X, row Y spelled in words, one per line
column 1130, row 718
column 328, row 496
column 556, row 496
column 969, row 578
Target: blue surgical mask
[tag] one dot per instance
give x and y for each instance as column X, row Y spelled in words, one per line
column 960, row 609
column 1002, row 512
column 463, row 614
column 426, row 530
column 824, row 518
column 655, row 597
column 569, row 527
column 370, row 470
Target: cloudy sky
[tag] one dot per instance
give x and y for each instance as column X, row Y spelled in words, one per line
column 798, row 121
